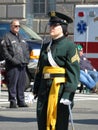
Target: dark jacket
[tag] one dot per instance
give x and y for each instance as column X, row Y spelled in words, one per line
column 15, row 50
column 85, row 63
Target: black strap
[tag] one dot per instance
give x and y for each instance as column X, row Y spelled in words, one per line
column 53, row 76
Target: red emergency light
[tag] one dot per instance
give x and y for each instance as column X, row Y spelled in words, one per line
column 81, row 14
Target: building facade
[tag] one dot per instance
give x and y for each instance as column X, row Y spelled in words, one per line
column 34, row 12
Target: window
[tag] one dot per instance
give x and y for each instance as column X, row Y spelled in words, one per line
column 38, row 7
column 41, row 7
column 51, row 5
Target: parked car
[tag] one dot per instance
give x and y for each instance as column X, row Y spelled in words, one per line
column 34, row 41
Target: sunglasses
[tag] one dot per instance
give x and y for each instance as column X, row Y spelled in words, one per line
column 16, row 26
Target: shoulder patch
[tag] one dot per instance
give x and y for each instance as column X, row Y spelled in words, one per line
column 75, row 57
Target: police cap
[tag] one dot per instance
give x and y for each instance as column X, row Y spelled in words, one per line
column 56, row 17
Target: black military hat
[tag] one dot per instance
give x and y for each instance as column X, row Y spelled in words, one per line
column 56, row 17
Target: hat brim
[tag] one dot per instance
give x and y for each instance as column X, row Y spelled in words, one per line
column 61, row 16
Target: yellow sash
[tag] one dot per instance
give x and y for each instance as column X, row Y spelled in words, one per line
column 53, row 95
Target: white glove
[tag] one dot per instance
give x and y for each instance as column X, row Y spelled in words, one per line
column 86, row 71
column 65, row 101
column 94, row 70
column 30, row 98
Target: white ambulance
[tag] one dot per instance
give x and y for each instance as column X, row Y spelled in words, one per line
column 86, row 31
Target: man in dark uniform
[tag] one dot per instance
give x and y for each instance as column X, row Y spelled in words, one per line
column 16, row 54
column 57, row 76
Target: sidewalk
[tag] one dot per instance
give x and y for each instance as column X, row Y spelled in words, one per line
column 4, row 98
column 29, row 96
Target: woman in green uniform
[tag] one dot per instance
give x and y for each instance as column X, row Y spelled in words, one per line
column 57, row 76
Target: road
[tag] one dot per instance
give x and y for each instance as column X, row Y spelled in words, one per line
column 85, row 114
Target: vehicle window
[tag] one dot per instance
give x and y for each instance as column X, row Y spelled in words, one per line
column 30, row 32
column 4, row 28
column 24, row 34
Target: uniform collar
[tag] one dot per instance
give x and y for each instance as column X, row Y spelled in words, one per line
column 58, row 40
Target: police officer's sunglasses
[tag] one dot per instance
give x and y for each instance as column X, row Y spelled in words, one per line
column 16, row 26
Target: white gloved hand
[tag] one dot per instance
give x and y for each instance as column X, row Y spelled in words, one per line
column 30, row 98
column 86, row 71
column 65, row 101
column 94, row 70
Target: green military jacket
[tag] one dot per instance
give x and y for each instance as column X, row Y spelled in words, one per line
column 65, row 54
